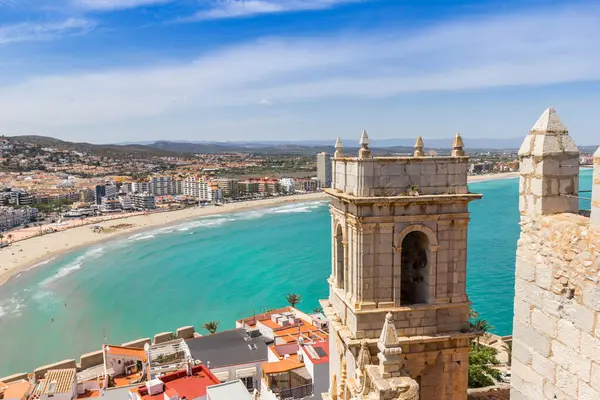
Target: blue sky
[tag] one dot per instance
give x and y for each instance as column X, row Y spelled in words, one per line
column 128, row 70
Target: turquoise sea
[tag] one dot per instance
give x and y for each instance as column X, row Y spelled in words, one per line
column 219, row 268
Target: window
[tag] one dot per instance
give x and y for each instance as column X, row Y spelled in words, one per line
column 248, row 382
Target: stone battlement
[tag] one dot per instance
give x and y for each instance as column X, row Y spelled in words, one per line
column 397, row 176
column 367, row 176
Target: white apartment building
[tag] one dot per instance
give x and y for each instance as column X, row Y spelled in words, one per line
column 126, row 202
column 127, row 187
column 141, row 187
column 287, row 185
column 197, row 188
column 11, row 217
column 163, row 185
column 143, row 201
column 111, row 191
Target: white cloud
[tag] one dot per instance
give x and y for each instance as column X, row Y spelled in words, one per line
column 107, row 5
column 27, row 32
column 517, row 49
column 219, row 9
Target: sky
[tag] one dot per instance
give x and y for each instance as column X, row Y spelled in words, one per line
column 110, row 71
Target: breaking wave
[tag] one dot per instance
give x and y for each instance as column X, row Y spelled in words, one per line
column 73, row 265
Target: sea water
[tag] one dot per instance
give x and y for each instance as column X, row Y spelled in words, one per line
column 220, row 268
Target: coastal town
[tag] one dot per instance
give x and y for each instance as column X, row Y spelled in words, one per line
column 413, row 336
column 299, row 200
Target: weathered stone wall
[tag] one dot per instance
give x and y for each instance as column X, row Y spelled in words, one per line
column 440, row 368
column 185, row 332
column 556, row 333
column 163, row 337
column 392, row 176
column 91, row 359
column 14, row 377
column 40, row 372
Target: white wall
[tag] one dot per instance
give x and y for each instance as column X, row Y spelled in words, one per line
column 234, row 368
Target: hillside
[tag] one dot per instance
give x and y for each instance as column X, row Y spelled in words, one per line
column 103, row 150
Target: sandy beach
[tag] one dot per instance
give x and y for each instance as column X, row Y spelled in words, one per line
column 29, row 249
column 493, row 177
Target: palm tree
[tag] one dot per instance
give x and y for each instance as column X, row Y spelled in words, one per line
column 9, row 238
column 483, row 327
column 211, row 326
column 507, row 347
column 1, row 238
column 317, row 310
column 293, row 299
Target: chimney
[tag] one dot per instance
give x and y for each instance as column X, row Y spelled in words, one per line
column 549, row 167
column 595, row 215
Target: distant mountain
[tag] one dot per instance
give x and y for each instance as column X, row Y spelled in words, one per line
column 102, row 150
column 266, row 145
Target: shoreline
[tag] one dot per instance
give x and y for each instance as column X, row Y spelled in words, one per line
column 31, row 252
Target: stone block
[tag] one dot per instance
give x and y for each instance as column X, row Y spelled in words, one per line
column 551, row 392
column 527, row 374
column 565, row 380
column 543, row 276
column 591, row 297
column 587, row 393
column 552, row 304
column 525, row 269
column 543, row 323
column 590, row 347
column 543, row 366
column 595, row 376
column 568, row 334
column 581, row 316
column 522, row 311
column 521, row 352
column 571, row 360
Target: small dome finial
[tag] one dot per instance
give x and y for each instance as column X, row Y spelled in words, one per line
column 419, row 147
column 457, row 146
column 364, row 151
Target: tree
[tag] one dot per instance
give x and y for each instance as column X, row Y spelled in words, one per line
column 293, row 299
column 507, row 347
column 1, row 238
column 317, row 310
column 483, row 327
column 211, row 326
column 9, row 238
column 479, row 324
column 481, row 366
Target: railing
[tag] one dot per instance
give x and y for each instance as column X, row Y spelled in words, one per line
column 298, row 392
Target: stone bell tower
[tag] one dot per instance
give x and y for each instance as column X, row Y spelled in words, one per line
column 398, row 308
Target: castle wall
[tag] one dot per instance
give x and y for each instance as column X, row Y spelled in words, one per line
column 556, row 333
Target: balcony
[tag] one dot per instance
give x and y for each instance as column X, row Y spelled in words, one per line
column 298, row 392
